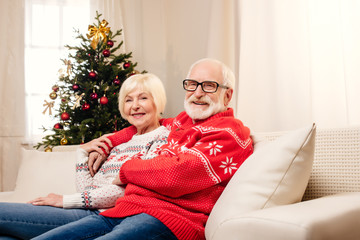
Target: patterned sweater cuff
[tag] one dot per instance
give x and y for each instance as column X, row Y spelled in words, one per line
column 73, row 201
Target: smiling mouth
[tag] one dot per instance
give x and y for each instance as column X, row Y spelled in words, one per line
column 137, row 115
column 200, row 103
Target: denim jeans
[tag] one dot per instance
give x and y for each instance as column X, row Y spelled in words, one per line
column 141, row 226
column 25, row 221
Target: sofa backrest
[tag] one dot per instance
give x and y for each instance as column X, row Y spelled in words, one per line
column 336, row 167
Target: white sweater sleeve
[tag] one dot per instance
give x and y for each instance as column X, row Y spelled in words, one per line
column 83, row 177
column 90, row 193
column 99, row 198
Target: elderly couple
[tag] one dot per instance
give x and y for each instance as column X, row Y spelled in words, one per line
column 161, row 178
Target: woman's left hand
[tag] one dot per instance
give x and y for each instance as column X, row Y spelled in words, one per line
column 117, row 180
column 52, row 199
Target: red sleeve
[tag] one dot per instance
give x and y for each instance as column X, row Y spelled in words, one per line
column 126, row 134
column 166, row 121
column 212, row 160
column 122, row 136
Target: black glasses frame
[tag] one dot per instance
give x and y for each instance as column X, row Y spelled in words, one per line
column 202, row 86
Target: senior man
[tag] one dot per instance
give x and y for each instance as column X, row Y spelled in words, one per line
column 172, row 195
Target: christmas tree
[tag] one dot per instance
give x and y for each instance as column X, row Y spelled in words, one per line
column 88, row 88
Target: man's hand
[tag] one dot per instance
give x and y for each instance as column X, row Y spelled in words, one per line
column 52, row 199
column 98, row 144
column 95, row 161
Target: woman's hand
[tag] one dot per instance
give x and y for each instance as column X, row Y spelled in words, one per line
column 95, row 161
column 117, row 180
column 52, row 199
column 98, row 144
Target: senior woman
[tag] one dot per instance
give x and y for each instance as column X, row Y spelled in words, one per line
column 141, row 100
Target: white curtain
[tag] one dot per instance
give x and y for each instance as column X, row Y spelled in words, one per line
column 295, row 61
column 299, row 63
column 12, row 112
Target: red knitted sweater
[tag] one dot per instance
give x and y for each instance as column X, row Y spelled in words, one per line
column 182, row 184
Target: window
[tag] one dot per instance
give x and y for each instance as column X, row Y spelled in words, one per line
column 49, row 25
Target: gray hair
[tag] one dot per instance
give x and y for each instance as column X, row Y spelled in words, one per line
column 228, row 75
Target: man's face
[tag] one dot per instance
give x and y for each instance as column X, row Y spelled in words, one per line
column 201, row 105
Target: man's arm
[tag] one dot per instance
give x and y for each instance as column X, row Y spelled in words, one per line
column 212, row 160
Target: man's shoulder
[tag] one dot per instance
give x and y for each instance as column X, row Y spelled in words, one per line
column 229, row 123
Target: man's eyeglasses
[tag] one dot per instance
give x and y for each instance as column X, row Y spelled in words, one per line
column 206, row 86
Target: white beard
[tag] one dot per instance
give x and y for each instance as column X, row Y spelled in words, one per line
column 198, row 114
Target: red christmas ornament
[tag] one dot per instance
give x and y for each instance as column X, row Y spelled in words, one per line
column 93, row 96
column 55, row 88
column 65, row 116
column 106, row 53
column 110, row 43
column 116, row 81
column 104, row 100
column 58, row 126
column 92, row 75
column 127, row 65
column 75, row 87
column 85, row 106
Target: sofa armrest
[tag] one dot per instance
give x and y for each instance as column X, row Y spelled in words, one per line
column 41, row 173
column 330, row 218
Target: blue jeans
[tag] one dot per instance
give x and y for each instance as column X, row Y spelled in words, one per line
column 141, row 226
column 25, row 221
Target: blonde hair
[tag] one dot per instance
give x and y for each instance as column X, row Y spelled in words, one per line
column 147, row 82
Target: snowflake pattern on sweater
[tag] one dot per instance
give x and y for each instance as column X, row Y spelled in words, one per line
column 189, row 174
column 98, row 192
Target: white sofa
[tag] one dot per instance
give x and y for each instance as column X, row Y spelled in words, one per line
column 296, row 185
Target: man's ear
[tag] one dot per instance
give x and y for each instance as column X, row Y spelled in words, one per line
column 227, row 96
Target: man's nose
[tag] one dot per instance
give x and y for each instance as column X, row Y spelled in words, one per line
column 199, row 92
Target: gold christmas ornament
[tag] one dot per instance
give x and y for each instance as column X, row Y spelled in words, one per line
column 68, row 66
column 53, row 95
column 48, row 149
column 78, row 99
column 63, row 141
column 98, row 34
column 48, row 105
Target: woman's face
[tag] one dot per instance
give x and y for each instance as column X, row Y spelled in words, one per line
column 140, row 109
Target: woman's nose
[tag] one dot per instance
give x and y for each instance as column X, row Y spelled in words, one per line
column 135, row 104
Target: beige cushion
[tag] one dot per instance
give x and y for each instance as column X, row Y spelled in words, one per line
column 276, row 173
column 42, row 173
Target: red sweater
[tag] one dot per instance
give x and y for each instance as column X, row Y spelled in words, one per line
column 182, row 184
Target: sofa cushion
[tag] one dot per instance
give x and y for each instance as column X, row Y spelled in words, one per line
column 41, row 173
column 276, row 173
